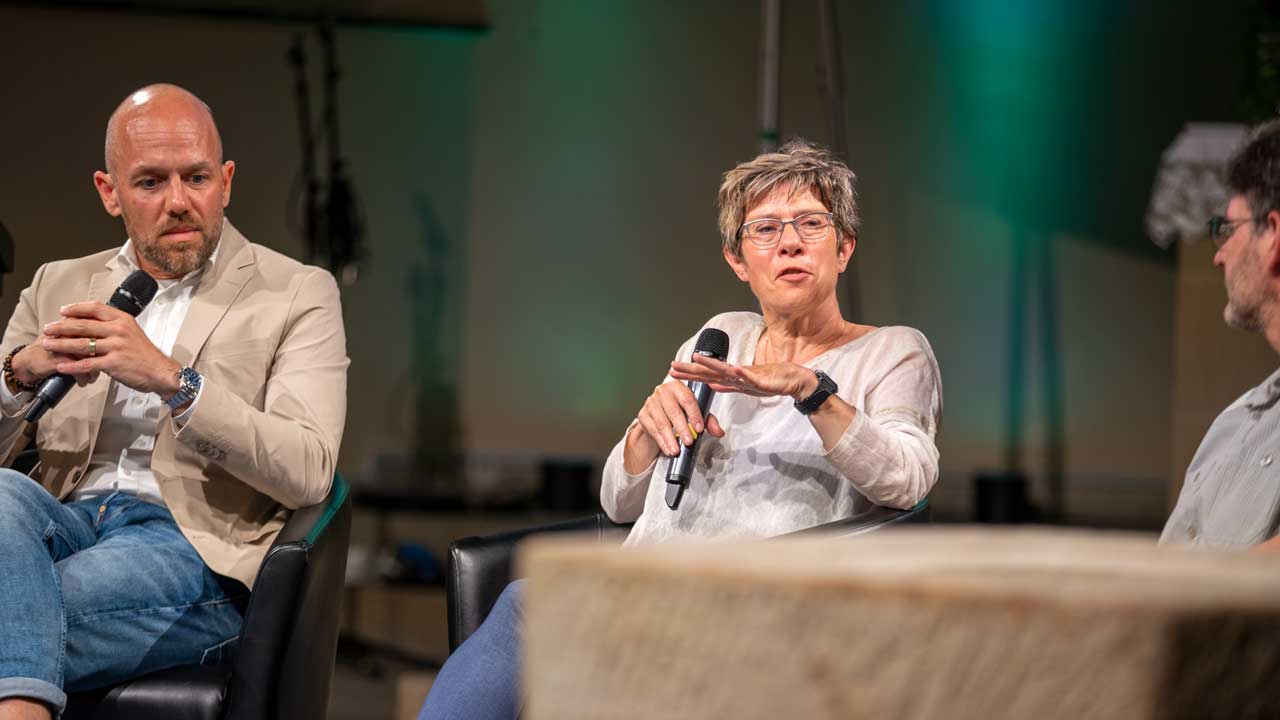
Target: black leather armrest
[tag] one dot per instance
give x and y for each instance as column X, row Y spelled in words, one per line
column 293, row 611
column 480, row 568
column 307, row 523
column 874, row 519
column 193, row 692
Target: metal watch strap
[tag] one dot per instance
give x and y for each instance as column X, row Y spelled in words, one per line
column 188, row 386
column 826, row 388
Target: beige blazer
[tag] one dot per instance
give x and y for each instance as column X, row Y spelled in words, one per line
column 266, row 334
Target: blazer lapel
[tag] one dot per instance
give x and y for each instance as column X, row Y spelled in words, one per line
column 103, row 283
column 211, row 300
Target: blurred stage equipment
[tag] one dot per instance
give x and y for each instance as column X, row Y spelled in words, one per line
column 408, row 14
column 1000, row 498
column 830, row 87
column 7, row 258
column 332, row 228
column 770, row 60
column 1190, row 185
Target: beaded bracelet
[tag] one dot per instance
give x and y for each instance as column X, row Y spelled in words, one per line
column 11, row 377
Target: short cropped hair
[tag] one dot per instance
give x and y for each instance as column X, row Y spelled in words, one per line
column 1254, row 171
column 800, row 165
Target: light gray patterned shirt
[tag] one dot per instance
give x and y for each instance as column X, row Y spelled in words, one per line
column 1231, row 494
column 770, row 474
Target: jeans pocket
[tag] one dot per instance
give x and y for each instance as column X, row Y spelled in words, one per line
column 223, row 652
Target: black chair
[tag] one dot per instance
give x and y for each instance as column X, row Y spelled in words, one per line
column 287, row 647
column 480, row 567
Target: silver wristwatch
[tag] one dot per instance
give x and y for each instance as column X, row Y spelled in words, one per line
column 188, row 387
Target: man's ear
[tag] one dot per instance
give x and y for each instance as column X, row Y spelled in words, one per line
column 738, row 264
column 1271, row 244
column 228, row 172
column 106, row 186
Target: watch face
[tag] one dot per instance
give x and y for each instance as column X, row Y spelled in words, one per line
column 188, row 386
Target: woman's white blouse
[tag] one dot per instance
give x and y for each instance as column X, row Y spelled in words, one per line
column 770, row 473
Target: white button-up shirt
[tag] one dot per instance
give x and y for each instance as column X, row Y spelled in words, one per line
column 121, row 460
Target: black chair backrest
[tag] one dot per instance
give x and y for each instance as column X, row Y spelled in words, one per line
column 480, row 569
column 26, row 461
column 290, row 636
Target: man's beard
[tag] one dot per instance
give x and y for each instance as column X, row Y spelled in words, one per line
column 1245, row 302
column 1247, row 320
column 179, row 262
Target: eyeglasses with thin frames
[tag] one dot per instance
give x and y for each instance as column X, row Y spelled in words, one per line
column 766, row 232
column 1221, row 228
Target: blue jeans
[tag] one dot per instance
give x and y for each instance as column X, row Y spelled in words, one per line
column 481, row 679
column 99, row 591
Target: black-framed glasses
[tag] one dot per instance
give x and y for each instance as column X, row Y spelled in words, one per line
column 1222, row 227
column 766, row 232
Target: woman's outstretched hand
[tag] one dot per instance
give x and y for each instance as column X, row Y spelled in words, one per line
column 758, row 380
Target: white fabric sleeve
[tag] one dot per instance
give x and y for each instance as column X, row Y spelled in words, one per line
column 622, row 494
column 888, row 451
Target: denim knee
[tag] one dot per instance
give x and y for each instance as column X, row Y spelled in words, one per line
column 510, row 602
column 23, row 501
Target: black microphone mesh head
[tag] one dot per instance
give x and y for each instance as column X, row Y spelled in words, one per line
column 713, row 342
column 135, row 292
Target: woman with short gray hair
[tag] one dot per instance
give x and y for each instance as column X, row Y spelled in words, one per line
column 822, row 417
column 817, row 418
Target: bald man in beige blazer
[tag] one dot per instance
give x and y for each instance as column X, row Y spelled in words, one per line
column 198, row 426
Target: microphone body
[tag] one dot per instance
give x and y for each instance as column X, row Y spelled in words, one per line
column 681, row 470
column 132, row 296
column 711, row 343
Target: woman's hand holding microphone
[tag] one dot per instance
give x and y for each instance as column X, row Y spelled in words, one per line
column 669, row 418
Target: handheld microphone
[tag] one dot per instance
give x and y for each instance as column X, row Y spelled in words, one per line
column 712, row 343
column 132, row 296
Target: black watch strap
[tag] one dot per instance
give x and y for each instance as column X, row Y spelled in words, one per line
column 826, row 388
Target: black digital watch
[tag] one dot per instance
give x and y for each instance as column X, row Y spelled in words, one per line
column 826, row 388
